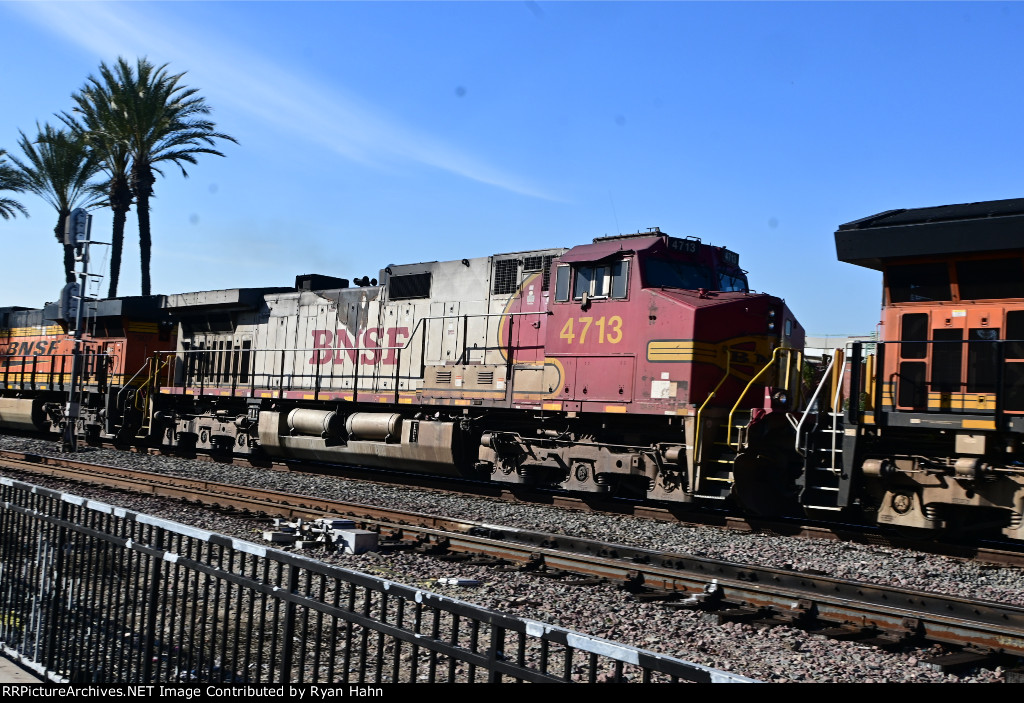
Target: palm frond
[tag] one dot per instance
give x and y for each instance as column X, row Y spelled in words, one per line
column 11, row 180
column 137, row 116
column 58, row 167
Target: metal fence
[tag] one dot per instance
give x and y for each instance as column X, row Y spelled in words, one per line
column 92, row 593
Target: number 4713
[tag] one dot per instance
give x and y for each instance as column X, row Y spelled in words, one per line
column 608, row 330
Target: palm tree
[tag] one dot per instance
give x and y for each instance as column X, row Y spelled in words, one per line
column 104, row 128
column 156, row 119
column 10, row 180
column 59, row 169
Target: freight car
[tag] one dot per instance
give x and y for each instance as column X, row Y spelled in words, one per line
column 934, row 435
column 640, row 365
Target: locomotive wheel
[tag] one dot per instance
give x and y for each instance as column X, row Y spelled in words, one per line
column 762, row 487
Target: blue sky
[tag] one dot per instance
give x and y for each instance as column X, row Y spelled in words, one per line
column 391, row 132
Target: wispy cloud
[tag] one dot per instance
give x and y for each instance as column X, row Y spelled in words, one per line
column 229, row 73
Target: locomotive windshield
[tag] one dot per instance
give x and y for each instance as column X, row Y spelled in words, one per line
column 670, row 273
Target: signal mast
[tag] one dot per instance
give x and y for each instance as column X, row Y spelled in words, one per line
column 77, row 231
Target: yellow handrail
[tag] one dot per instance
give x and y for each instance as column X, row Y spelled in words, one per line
column 157, row 368
column 696, row 434
column 771, row 362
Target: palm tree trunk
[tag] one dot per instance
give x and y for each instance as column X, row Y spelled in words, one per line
column 145, row 240
column 142, row 187
column 69, row 263
column 116, row 246
column 120, row 197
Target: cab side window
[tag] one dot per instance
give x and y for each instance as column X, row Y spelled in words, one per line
column 594, row 280
column 562, row 283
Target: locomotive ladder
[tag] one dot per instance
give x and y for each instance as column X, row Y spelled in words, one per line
column 142, row 399
column 821, row 445
column 717, row 466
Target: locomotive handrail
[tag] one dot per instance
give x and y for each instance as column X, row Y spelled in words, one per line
column 954, row 393
column 696, row 435
column 814, row 396
column 131, row 381
column 836, row 410
column 412, row 333
column 32, row 376
column 771, row 362
column 420, row 326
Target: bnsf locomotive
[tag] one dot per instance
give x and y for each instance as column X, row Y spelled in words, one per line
column 933, row 437
column 640, row 365
column 36, row 362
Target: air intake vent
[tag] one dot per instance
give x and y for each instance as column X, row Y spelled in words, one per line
column 532, row 264
column 444, row 377
column 505, row 276
column 409, row 286
column 485, row 378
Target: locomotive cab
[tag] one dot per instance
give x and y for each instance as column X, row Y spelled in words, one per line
column 651, row 325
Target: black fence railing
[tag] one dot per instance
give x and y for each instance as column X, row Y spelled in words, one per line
column 90, row 593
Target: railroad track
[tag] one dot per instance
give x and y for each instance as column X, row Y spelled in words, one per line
column 879, row 615
column 994, row 552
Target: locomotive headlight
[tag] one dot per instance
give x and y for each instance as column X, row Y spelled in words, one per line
column 771, row 320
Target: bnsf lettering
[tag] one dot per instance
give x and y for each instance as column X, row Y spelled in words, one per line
column 32, row 348
column 338, row 344
column 743, row 357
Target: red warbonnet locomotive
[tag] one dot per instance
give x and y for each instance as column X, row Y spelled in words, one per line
column 640, row 365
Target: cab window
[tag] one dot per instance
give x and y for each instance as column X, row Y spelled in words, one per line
column 620, row 279
column 911, row 283
column 600, row 281
column 592, row 280
column 562, row 283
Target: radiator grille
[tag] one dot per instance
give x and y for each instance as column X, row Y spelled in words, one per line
column 532, row 264
column 505, row 276
column 409, row 286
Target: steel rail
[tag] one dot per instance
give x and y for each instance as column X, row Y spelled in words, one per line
column 689, row 580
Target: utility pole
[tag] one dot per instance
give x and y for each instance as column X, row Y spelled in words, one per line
column 76, row 233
